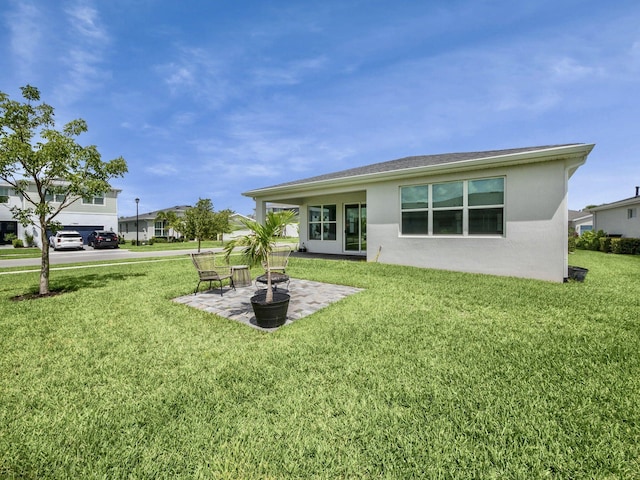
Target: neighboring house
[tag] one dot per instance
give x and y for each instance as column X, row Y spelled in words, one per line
column 84, row 215
column 619, row 218
column 501, row 212
column 581, row 221
column 237, row 227
column 147, row 225
column 291, row 231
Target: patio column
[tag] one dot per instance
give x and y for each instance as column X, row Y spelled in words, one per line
column 261, row 211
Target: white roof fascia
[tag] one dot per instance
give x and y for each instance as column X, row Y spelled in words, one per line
column 622, row 203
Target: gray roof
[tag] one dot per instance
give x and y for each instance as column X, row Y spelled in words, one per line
column 578, row 214
column 416, row 162
column 178, row 209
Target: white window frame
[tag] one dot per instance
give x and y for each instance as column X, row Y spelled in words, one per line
column 324, row 224
column 95, row 200
column 159, row 232
column 465, row 208
column 5, row 193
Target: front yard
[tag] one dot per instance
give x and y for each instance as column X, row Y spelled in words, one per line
column 423, row 374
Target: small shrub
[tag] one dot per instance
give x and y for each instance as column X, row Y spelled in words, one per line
column 571, row 239
column 605, row 244
column 17, row 243
column 29, row 240
column 615, row 245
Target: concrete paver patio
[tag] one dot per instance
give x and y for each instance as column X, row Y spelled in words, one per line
column 307, row 297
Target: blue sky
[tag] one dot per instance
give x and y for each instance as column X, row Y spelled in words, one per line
column 207, row 99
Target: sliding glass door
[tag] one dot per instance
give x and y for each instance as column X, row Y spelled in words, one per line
column 355, row 227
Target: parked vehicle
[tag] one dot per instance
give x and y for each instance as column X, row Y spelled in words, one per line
column 102, row 239
column 66, row 239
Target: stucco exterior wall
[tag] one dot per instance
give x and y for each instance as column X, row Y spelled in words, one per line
column 615, row 221
column 534, row 244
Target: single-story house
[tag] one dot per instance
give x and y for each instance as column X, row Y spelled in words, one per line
column 619, row 218
column 84, row 215
column 580, row 221
column 147, row 225
column 501, row 212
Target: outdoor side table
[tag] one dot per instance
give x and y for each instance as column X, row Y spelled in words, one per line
column 276, row 278
column 241, row 275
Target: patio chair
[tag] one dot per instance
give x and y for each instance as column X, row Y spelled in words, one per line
column 278, row 260
column 208, row 271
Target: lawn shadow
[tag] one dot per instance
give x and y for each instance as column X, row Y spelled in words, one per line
column 73, row 284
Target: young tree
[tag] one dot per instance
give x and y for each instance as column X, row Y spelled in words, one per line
column 41, row 163
column 222, row 224
column 200, row 221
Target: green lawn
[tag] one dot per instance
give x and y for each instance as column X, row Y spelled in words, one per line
column 9, row 253
column 424, row 374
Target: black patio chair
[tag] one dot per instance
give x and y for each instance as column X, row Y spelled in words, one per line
column 209, row 271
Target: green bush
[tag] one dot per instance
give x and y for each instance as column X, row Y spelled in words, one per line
column 622, row 246
column 572, row 239
column 615, row 246
column 605, row 244
column 29, row 240
column 17, row 243
column 590, row 240
column 630, row 246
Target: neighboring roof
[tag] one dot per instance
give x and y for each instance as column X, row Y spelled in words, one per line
column 575, row 215
column 620, row 203
column 429, row 162
column 180, row 209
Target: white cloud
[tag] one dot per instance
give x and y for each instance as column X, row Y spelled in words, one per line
column 85, row 21
column 25, row 23
column 85, row 51
column 291, row 73
column 162, row 169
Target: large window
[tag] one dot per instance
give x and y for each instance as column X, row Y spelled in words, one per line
column 97, row 200
column 415, row 209
column 322, row 222
column 486, row 206
column 58, row 197
column 4, row 194
column 470, row 207
column 159, row 229
column 447, row 208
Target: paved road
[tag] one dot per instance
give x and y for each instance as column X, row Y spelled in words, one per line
column 91, row 255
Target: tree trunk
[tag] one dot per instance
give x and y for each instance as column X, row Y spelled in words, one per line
column 44, row 265
column 269, row 295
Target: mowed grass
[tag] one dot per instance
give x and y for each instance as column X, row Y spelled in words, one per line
column 424, row 374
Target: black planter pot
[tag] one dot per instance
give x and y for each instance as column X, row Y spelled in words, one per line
column 270, row 315
column 577, row 273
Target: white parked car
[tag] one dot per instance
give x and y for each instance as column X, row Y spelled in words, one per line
column 66, row 239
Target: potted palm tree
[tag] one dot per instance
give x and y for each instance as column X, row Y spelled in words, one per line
column 269, row 307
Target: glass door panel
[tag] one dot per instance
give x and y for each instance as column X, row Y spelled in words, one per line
column 355, row 228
